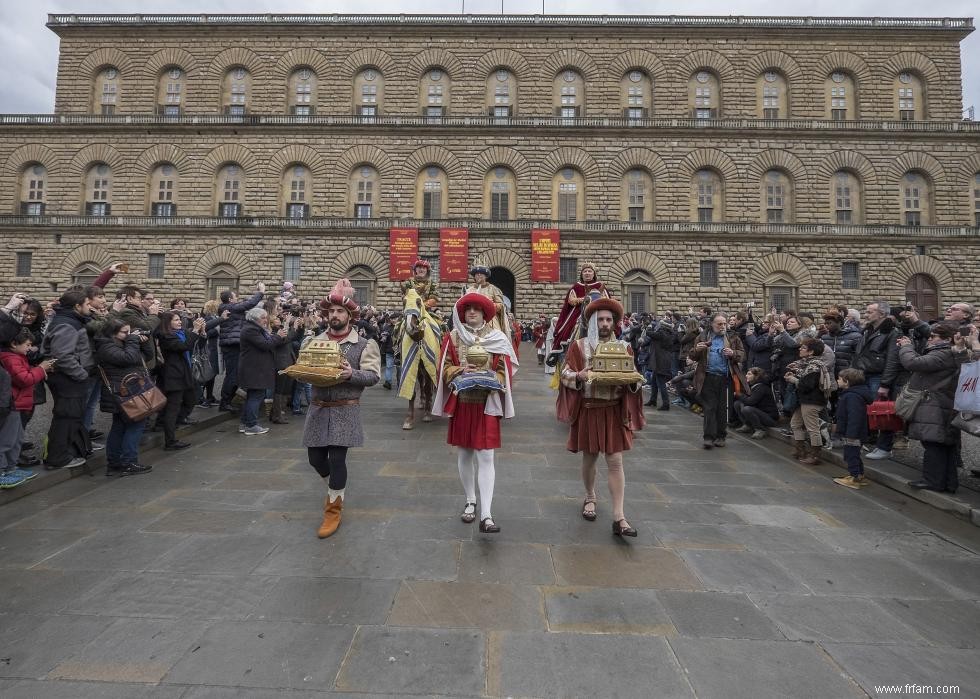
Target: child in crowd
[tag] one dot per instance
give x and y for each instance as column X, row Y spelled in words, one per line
column 852, row 424
column 21, row 378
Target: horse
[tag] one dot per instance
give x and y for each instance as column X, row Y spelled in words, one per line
column 419, row 341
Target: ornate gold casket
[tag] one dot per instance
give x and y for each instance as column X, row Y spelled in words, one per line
column 319, row 364
column 612, row 365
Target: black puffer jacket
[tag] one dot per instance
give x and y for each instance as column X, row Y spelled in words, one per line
column 117, row 360
column 230, row 328
column 876, row 353
column 843, row 344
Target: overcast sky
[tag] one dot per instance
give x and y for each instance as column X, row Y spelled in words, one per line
column 30, row 50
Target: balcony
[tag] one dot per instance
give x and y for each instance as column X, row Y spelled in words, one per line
column 483, row 122
column 734, row 230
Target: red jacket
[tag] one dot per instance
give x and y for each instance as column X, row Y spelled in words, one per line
column 23, row 377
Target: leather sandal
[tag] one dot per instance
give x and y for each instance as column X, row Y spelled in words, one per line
column 589, row 514
column 487, row 526
column 620, row 530
column 469, row 513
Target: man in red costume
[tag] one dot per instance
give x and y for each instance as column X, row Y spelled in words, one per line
column 579, row 295
column 476, row 366
column 602, row 418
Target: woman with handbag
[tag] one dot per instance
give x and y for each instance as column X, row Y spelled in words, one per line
column 119, row 354
column 929, row 397
column 176, row 377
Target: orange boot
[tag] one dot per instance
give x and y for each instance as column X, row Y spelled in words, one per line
column 331, row 516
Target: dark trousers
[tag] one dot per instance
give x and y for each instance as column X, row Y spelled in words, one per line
column 178, row 403
column 714, row 401
column 659, row 386
column 253, row 403
column 67, row 436
column 852, row 457
column 330, row 462
column 939, row 463
column 229, row 356
column 753, row 417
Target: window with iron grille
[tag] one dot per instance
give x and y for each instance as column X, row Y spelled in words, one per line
column 362, row 211
column 155, row 262
column 780, row 297
column 291, row 267
column 850, row 275
column 24, row 260
column 709, row 272
column 638, row 302
column 296, row 210
column 568, row 270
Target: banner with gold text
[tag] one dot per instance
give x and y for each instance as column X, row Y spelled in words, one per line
column 544, row 254
column 403, row 250
column 454, row 254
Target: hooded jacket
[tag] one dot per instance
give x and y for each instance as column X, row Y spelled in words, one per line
column 66, row 340
column 852, row 412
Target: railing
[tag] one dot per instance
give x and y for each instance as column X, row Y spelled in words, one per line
column 681, row 21
column 383, row 224
column 484, row 122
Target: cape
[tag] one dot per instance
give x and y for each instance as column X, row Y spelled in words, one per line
column 570, row 313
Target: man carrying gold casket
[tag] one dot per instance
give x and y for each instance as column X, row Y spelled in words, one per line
column 602, row 417
column 476, row 367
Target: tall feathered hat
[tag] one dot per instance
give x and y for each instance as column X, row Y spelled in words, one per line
column 342, row 294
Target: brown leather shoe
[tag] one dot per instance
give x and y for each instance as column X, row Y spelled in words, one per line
column 331, row 517
column 799, row 449
column 811, row 457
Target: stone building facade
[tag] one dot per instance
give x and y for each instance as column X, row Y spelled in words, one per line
column 788, row 161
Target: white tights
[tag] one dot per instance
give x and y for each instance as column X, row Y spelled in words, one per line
column 468, row 459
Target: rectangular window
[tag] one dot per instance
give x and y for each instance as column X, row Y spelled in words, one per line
column 238, row 94
column 165, row 190
column 781, row 297
column 32, row 208
column 635, row 214
column 296, row 210
column 368, row 112
column 171, row 111
column 912, row 201
column 844, row 216
column 155, row 265
column 705, row 214
column 709, row 272
column 906, row 115
column 568, row 270
column 774, row 215
column 501, row 113
column 567, row 202
column 362, row 211
column 291, row 267
column 365, row 191
column 770, row 113
column 24, row 260
column 705, row 113
column 634, row 97
column 920, row 249
column 229, row 210
column 302, row 109
column 369, row 94
column 434, row 96
column 838, row 114
column 433, row 112
column 235, row 110
column 431, row 204
column 173, row 93
column 304, row 92
column 163, row 209
column 567, row 114
column 913, row 218
column 568, row 96
column 500, row 205
column 108, row 94
column 501, row 95
column 232, row 188
column 850, row 275
column 36, row 190
column 976, row 221
column 97, row 208
column 638, row 302
column 634, row 113
column 297, row 190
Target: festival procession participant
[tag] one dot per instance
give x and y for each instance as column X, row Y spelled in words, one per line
column 421, row 281
column 538, row 332
column 580, row 294
column 549, row 340
column 602, row 418
column 477, row 366
column 480, row 285
column 420, row 335
column 333, row 423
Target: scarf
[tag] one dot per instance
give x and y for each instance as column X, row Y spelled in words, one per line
column 182, row 336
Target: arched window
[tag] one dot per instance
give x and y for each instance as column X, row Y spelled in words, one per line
column 236, row 91
column 301, row 92
column 639, row 292
column 369, row 89
column 170, row 91
column 841, row 96
column 916, row 200
column 431, row 193
column 98, row 190
column 500, row 194
column 85, row 274
column 637, row 196
column 773, row 95
column 636, row 94
column 909, row 97
column 708, row 197
column 846, row 198
column 220, row 278
column 33, row 197
column 106, row 95
column 364, row 191
column 569, row 94
column 163, row 190
column 976, row 200
column 501, row 94
column 364, row 281
column 777, row 197
column 568, row 195
column 296, row 191
column 704, row 95
column 434, row 88
column 230, row 191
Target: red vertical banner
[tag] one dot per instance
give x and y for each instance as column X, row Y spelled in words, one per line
column 454, row 254
column 403, row 250
column 544, row 254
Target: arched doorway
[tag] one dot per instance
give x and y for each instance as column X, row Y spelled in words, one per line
column 922, row 291
column 503, row 279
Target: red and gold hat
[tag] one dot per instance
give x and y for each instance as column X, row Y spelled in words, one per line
column 605, row 305
column 342, row 294
column 478, row 300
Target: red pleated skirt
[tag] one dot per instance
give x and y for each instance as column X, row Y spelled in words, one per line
column 471, row 428
column 600, row 431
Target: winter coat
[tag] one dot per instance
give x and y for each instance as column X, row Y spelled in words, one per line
column 852, row 412
column 175, row 374
column 843, row 344
column 688, row 337
column 257, row 363
column 876, row 353
column 759, row 347
column 760, row 397
column 936, row 372
column 808, row 390
column 230, row 328
column 6, row 395
column 117, row 360
column 211, row 324
column 658, row 341
column 286, row 353
column 138, row 319
column 67, row 341
column 23, row 379
column 701, row 357
column 34, row 357
column 785, row 350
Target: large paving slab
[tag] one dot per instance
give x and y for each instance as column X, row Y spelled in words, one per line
column 752, row 576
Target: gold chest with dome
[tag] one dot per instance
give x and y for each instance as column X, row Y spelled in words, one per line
column 319, row 363
column 612, row 365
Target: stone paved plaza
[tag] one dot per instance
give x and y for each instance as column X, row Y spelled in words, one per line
column 752, row 575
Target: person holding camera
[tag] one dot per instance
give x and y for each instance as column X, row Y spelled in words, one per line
column 232, row 312
column 658, row 341
column 176, row 376
column 876, row 354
